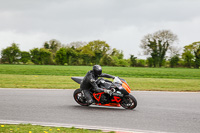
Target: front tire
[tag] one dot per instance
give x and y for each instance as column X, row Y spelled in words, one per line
column 128, row 102
column 79, row 98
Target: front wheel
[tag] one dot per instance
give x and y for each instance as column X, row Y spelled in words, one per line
column 79, row 98
column 128, row 102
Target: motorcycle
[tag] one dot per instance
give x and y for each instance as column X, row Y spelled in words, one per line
column 120, row 95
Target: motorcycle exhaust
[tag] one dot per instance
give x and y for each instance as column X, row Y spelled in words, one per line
column 118, row 95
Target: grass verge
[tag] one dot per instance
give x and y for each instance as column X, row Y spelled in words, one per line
column 28, row 128
column 65, row 82
column 59, row 77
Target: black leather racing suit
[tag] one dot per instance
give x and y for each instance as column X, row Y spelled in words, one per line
column 89, row 83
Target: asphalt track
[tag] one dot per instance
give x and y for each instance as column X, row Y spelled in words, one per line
column 156, row 111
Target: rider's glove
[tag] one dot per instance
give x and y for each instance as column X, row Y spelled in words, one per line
column 108, row 92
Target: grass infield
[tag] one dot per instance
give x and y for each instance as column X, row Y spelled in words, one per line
column 28, row 128
column 59, row 77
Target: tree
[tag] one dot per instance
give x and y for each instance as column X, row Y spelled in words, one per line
column 11, row 54
column 35, row 56
column 118, row 53
column 76, row 58
column 61, row 56
column 53, row 45
column 133, row 61
column 45, row 57
column 71, row 55
column 191, row 54
column 175, row 53
column 197, row 54
column 86, row 54
column 157, row 44
column 174, row 50
column 123, row 63
column 41, row 56
column 77, row 44
column 107, row 60
column 174, row 61
column 188, row 58
column 25, row 57
column 97, row 49
column 141, row 63
column 66, row 55
column 150, row 62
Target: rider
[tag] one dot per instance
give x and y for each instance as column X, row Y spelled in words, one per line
column 89, row 82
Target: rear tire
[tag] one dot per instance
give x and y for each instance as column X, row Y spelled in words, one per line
column 79, row 98
column 128, row 102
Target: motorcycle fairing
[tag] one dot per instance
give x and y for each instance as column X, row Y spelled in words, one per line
column 116, row 99
column 97, row 96
column 126, row 87
column 109, row 104
column 77, row 79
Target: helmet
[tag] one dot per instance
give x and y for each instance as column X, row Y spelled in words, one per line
column 97, row 70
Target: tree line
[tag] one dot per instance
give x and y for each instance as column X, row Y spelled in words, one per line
column 155, row 46
column 75, row 53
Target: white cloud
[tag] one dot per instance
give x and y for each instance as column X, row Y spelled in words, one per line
column 121, row 23
column 26, row 41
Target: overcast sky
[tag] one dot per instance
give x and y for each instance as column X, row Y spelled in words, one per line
column 121, row 23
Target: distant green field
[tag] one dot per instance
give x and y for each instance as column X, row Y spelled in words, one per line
column 59, row 77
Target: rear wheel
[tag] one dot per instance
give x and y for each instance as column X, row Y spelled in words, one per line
column 79, row 98
column 128, row 102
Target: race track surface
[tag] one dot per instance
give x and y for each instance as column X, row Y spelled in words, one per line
column 156, row 111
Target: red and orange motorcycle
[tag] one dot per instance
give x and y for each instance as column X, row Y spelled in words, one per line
column 120, row 94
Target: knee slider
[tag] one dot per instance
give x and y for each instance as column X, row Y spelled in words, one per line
column 90, row 101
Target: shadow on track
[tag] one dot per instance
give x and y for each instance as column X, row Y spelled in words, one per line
column 100, row 108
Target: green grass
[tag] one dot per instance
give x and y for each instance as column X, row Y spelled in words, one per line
column 173, row 73
column 28, row 128
column 59, row 77
column 65, row 82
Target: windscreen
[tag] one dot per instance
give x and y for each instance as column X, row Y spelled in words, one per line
column 117, row 80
